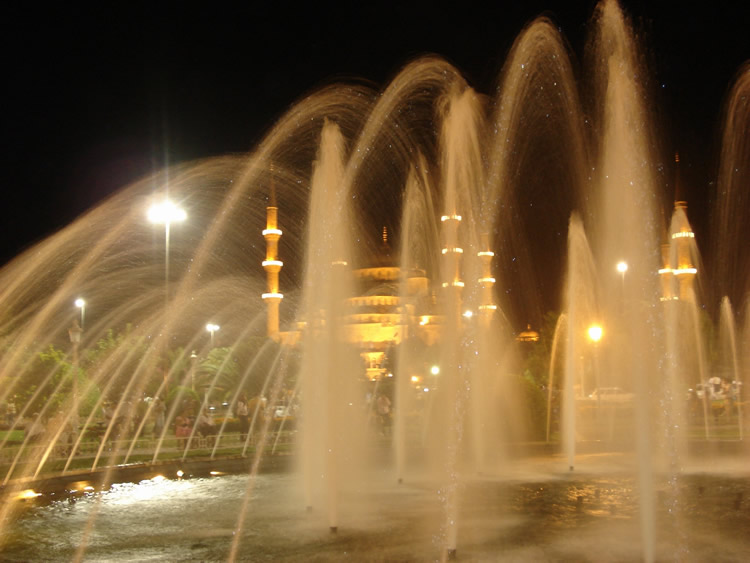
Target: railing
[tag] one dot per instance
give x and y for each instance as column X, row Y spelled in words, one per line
column 26, row 458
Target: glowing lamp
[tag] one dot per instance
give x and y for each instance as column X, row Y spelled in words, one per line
column 166, row 212
column 595, row 333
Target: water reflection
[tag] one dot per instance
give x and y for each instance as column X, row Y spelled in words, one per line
column 590, row 518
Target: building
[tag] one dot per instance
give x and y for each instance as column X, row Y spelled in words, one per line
column 388, row 306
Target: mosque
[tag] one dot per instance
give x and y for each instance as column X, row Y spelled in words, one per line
column 377, row 317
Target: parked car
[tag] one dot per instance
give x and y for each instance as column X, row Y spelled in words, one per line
column 282, row 412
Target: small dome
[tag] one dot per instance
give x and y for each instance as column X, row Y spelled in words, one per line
column 528, row 335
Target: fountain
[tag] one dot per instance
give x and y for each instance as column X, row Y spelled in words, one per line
column 459, row 473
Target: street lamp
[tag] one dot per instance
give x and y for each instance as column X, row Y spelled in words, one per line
column 622, row 267
column 74, row 332
column 193, row 360
column 595, row 333
column 81, row 304
column 210, row 327
column 166, row 213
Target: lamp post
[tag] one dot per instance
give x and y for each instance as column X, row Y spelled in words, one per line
column 595, row 333
column 210, row 327
column 74, row 332
column 193, row 360
column 622, row 267
column 81, row 304
column 166, row 213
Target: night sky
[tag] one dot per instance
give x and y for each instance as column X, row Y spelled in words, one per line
column 97, row 98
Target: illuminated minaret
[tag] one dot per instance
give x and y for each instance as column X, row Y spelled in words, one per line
column 683, row 240
column 486, row 282
column 677, row 254
column 272, row 265
column 452, row 253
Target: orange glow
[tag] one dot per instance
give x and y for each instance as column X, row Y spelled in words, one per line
column 595, row 333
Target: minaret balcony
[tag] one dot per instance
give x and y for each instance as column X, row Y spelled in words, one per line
column 272, row 265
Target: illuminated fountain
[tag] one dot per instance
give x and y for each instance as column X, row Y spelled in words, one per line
column 424, row 156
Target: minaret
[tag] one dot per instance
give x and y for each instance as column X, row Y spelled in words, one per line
column 486, row 282
column 683, row 239
column 452, row 253
column 677, row 256
column 272, row 265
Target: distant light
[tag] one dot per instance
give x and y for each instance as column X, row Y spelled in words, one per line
column 271, row 232
column 278, row 263
column 79, row 303
column 180, row 473
column 487, row 307
column 166, row 212
column 423, row 320
column 210, row 327
column 272, row 296
column 486, row 253
column 622, row 267
column 486, row 280
column 426, row 389
column 28, row 493
column 595, row 333
column 468, row 314
column 435, row 370
column 390, row 375
column 415, row 379
column 454, row 250
column 683, row 234
column 339, row 263
column 453, row 217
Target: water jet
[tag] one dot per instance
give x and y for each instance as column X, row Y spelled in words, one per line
column 368, row 363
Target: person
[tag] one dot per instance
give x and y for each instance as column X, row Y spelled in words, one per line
column 383, row 405
column 183, row 429
column 159, row 413
column 35, row 429
column 243, row 412
column 205, row 424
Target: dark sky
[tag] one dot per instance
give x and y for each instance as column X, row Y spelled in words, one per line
column 95, row 98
